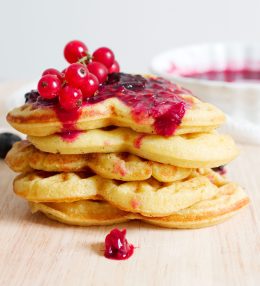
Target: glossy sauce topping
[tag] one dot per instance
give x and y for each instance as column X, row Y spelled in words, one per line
column 68, row 119
column 117, row 246
column 148, row 98
column 152, row 97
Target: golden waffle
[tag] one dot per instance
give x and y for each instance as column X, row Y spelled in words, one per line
column 229, row 199
column 85, row 213
column 214, row 177
column 227, row 202
column 24, row 157
column 150, row 197
column 42, row 121
column 187, row 151
column 42, row 186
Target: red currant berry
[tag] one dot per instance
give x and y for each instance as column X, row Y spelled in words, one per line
column 99, row 70
column 53, row 72
column 70, row 98
column 76, row 74
column 74, row 51
column 49, row 86
column 114, row 68
column 105, row 56
column 90, row 85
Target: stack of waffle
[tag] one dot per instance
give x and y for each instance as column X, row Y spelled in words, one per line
column 129, row 153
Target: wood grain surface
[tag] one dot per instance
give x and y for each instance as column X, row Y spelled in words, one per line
column 37, row 251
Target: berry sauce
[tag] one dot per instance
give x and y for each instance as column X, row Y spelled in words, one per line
column 117, row 246
column 152, row 97
column 68, row 119
column 148, row 98
column 227, row 75
column 70, row 136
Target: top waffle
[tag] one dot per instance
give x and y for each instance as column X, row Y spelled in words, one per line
column 149, row 105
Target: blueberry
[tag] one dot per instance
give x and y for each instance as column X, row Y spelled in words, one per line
column 6, row 142
column 31, row 96
column 221, row 170
column 129, row 81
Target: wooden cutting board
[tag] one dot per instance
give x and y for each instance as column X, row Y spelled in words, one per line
column 37, row 251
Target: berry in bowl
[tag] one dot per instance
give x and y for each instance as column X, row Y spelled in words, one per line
column 227, row 75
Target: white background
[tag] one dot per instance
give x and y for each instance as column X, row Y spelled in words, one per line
column 33, row 33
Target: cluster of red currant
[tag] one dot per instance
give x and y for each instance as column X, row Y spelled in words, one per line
column 81, row 78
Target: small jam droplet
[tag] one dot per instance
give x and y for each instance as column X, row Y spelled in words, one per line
column 117, row 246
column 138, row 141
column 70, row 136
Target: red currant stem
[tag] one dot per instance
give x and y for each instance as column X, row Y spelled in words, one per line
column 85, row 60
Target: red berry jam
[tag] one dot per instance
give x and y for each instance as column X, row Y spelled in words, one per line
column 148, row 98
column 227, row 75
column 70, row 136
column 152, row 97
column 117, row 246
column 67, row 118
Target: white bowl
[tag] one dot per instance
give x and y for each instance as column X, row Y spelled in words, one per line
column 239, row 100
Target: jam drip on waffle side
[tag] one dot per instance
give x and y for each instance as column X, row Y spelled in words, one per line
column 151, row 97
column 68, row 119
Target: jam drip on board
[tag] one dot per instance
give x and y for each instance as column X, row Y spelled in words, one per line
column 117, row 246
column 148, row 98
